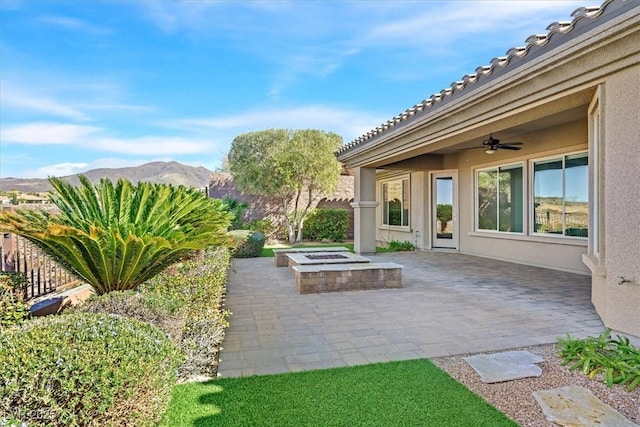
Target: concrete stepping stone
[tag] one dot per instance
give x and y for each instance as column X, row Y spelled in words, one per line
column 507, row 366
column 577, row 406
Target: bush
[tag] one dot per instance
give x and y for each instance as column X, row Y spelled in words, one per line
column 237, row 208
column 185, row 301
column 199, row 288
column 246, row 243
column 86, row 369
column 160, row 311
column 615, row 360
column 264, row 226
column 396, row 245
column 13, row 311
column 329, row 224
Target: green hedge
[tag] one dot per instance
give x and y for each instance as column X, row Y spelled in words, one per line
column 13, row 310
column 186, row 302
column 86, row 369
column 246, row 243
column 326, row 224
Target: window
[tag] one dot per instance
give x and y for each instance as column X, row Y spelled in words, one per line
column 499, row 199
column 395, row 202
column 561, row 191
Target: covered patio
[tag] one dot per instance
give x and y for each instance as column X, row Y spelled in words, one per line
column 449, row 304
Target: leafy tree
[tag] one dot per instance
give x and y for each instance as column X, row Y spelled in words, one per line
column 284, row 165
column 444, row 212
column 118, row 236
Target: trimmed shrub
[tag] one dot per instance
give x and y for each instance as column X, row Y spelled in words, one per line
column 153, row 308
column 13, row 311
column 246, row 243
column 264, row 226
column 396, row 245
column 326, row 224
column 200, row 288
column 86, row 369
column 185, row 301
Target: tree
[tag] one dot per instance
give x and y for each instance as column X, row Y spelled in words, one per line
column 284, row 165
column 444, row 213
column 116, row 237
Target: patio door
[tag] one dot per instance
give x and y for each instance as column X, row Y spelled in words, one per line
column 444, row 210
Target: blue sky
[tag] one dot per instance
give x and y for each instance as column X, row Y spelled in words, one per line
column 87, row 84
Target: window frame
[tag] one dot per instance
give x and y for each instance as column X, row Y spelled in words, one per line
column 476, row 213
column 532, row 195
column 403, row 203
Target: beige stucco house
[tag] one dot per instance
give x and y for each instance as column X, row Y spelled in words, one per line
column 565, row 191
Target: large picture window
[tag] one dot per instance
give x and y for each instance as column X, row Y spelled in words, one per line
column 499, row 199
column 561, row 195
column 395, row 202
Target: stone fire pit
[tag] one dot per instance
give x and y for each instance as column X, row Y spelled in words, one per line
column 325, row 258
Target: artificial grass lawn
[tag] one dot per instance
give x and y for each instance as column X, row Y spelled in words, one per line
column 267, row 251
column 413, row 392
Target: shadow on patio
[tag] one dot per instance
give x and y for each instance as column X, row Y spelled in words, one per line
column 449, row 304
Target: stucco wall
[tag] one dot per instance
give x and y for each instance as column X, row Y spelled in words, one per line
column 558, row 253
column 618, row 295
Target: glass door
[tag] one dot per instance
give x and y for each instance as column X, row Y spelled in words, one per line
column 444, row 215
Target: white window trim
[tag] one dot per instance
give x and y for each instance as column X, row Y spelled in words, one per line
column 561, row 155
column 382, row 225
column 496, row 167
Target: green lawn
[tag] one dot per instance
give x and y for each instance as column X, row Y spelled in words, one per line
column 268, row 249
column 408, row 393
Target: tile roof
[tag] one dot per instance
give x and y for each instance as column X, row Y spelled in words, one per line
column 471, row 80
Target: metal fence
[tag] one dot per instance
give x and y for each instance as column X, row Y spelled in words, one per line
column 43, row 275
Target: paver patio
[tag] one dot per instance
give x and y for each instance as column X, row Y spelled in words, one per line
column 449, row 304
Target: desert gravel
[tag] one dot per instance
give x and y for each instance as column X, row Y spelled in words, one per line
column 515, row 398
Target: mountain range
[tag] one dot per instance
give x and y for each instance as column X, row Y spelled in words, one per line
column 159, row 172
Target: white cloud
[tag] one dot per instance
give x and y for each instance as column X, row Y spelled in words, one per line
column 156, row 145
column 15, row 98
column 47, row 133
column 74, row 24
column 59, row 169
column 348, row 123
column 90, row 137
column 63, row 97
column 455, row 21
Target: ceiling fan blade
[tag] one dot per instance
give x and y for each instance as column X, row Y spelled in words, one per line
column 513, row 143
column 509, row 147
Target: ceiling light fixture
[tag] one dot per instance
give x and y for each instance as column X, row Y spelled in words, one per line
column 490, row 150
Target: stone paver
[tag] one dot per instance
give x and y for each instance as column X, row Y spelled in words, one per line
column 577, row 406
column 505, row 366
column 449, row 304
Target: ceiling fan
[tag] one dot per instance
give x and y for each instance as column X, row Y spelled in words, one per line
column 491, row 145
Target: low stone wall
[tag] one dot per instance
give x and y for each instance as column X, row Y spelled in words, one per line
column 346, row 277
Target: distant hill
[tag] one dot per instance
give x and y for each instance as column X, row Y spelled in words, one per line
column 159, row 172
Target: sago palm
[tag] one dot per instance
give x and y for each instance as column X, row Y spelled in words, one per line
column 118, row 236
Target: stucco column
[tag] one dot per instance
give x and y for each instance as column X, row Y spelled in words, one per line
column 364, row 210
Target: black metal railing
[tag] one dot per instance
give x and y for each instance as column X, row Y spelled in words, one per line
column 43, row 275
